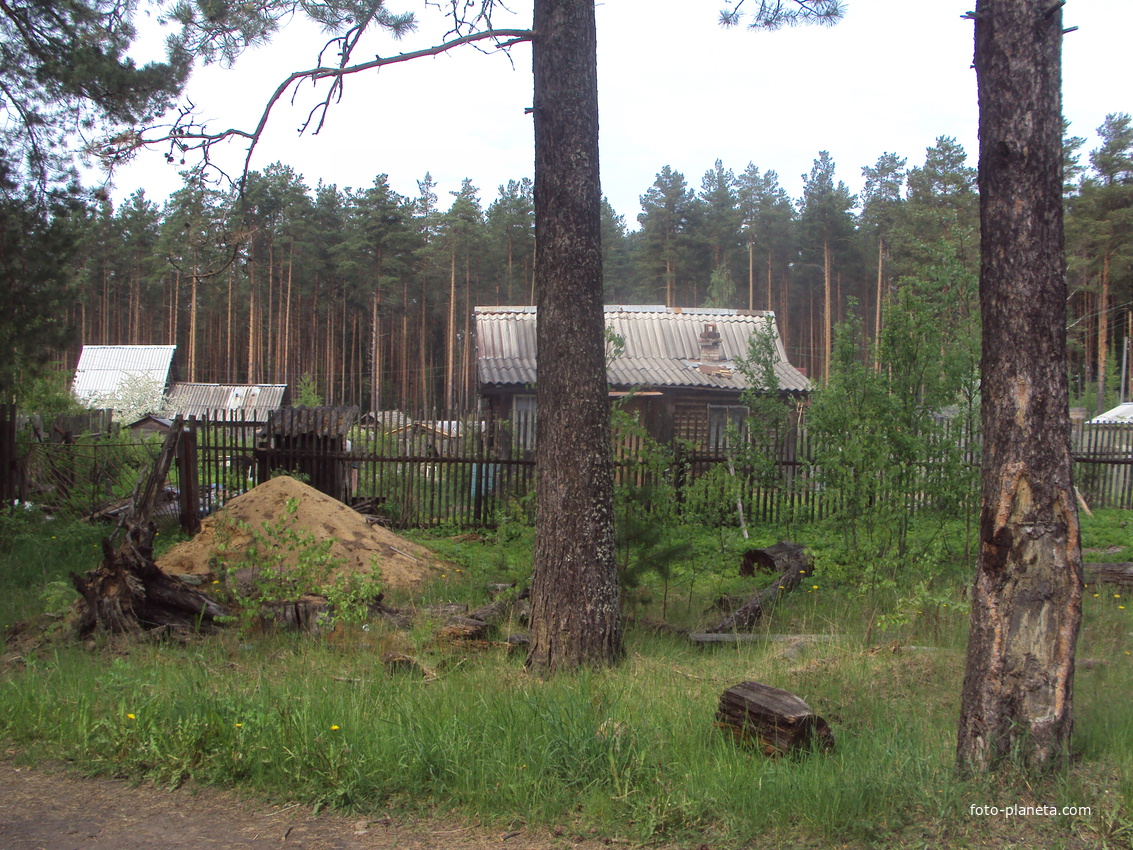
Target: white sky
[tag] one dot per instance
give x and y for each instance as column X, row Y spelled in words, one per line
column 674, row 89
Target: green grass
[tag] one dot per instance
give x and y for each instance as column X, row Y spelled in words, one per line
column 631, row 751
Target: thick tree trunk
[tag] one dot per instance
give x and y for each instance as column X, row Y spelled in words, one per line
column 1027, row 595
column 575, row 616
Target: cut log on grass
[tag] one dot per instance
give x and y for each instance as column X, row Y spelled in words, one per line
column 128, row 592
column 792, row 564
column 753, row 637
column 1118, row 574
column 774, row 720
column 464, row 628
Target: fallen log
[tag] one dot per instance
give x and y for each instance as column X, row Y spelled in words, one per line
column 774, row 720
column 787, row 559
column 754, row 637
column 1119, row 574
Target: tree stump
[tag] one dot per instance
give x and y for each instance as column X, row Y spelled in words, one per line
column 128, row 592
column 774, row 720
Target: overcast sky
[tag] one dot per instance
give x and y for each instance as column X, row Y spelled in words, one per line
column 674, row 89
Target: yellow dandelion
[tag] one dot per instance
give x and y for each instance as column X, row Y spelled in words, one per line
column 334, row 728
column 130, row 717
column 1096, row 595
column 814, row 587
column 239, row 725
column 1117, row 596
column 216, row 581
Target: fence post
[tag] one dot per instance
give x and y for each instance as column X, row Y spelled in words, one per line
column 187, row 473
column 8, row 484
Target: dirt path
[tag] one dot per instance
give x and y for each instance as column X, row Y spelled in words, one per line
column 47, row 809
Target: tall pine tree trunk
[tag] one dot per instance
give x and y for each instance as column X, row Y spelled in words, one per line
column 575, row 616
column 827, row 326
column 1027, row 594
column 1103, row 330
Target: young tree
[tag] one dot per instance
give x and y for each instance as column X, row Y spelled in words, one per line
column 1026, row 599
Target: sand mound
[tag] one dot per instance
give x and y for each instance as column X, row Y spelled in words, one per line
column 358, row 544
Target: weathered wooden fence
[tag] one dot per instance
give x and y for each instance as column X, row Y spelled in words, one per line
column 1103, row 465
column 437, row 470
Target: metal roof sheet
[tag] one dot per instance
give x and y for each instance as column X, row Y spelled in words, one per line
column 662, row 347
column 104, row 369
column 1120, row 415
column 253, row 401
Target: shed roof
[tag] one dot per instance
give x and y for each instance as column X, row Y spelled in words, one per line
column 104, row 369
column 662, row 347
column 252, row 401
column 1120, row 415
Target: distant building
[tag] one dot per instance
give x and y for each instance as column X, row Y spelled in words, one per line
column 249, row 402
column 129, row 377
column 679, row 365
column 1120, row 415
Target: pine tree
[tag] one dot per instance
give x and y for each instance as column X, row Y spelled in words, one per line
column 1017, row 699
column 826, row 225
column 666, row 211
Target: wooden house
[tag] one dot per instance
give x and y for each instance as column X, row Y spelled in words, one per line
column 678, row 369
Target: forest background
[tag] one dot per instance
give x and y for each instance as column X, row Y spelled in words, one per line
column 366, row 295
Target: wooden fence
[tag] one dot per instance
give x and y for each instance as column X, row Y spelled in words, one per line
column 1103, row 465
column 461, row 471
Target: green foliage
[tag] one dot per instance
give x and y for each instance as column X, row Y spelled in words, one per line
column 67, row 78
column 308, row 394
column 769, row 413
column 36, row 246
column 891, row 439
column 645, row 512
column 46, row 392
column 280, row 563
column 721, row 288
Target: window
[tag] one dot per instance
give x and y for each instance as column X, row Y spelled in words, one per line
column 523, row 419
column 725, row 421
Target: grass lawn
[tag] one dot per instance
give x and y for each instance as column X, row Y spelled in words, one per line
column 631, row 752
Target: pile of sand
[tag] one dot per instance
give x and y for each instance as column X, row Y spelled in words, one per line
column 358, row 544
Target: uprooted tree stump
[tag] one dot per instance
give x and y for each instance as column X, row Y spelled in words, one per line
column 774, row 720
column 790, row 561
column 128, row 592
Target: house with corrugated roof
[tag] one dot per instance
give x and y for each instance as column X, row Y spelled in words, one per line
column 248, row 402
column 130, row 378
column 678, row 368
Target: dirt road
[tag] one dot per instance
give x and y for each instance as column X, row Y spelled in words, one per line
column 47, row 809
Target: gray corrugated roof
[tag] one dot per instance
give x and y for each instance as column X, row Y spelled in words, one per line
column 1120, row 415
column 662, row 347
column 253, row 401
column 103, row 369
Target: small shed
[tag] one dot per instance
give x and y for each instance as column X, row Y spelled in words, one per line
column 312, row 442
column 150, row 425
column 106, row 373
